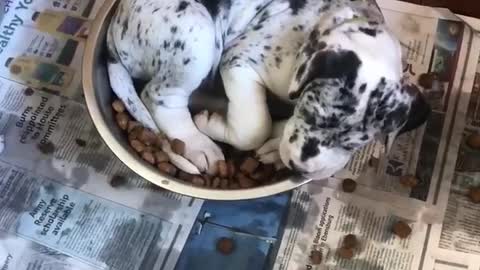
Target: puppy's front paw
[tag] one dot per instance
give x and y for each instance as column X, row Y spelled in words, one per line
column 213, row 125
column 269, row 153
column 202, row 151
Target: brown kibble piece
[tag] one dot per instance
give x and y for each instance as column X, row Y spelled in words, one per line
column 137, row 145
column 135, row 133
column 401, row 229
column 161, row 156
column 234, row 185
column 264, row 173
column 178, row 147
column 474, row 141
column 185, row 176
column 147, row 137
column 224, row 183
column 249, row 165
column 345, row 253
column 426, row 80
column 373, row 162
column 222, row 168
column 349, row 185
column 216, row 182
column 350, row 241
column 244, row 181
column 132, row 125
column 408, row 181
column 122, row 120
column 118, row 180
column 316, row 257
column 80, row 142
column 198, row 181
column 231, row 168
column 474, row 194
column 225, row 245
column 118, row 106
column 282, row 174
column 148, row 157
column 46, row 148
column 167, row 168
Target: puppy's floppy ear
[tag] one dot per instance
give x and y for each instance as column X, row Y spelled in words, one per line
column 419, row 110
column 324, row 64
column 417, row 115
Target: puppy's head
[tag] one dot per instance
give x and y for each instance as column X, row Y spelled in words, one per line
column 344, row 99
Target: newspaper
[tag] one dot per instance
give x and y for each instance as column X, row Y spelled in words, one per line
column 445, row 223
column 66, row 202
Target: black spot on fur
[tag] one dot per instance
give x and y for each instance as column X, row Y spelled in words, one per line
column 293, row 138
column 297, row 5
column 368, row 31
column 326, row 32
column 173, row 29
column 138, row 9
column 213, row 6
column 334, row 65
column 309, row 149
column 364, row 137
column 267, row 48
column 252, row 60
column 177, row 44
column 182, row 6
column 124, row 28
column 278, row 48
column 362, row 88
column 155, row 10
column 186, row 61
column 166, row 44
column 278, row 61
column 257, row 27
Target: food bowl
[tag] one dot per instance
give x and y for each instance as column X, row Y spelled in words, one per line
column 99, row 97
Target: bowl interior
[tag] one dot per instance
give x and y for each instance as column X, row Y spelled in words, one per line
column 99, row 97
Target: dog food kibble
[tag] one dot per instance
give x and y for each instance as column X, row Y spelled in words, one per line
column 147, row 137
column 244, row 181
column 198, row 181
column 373, row 162
column 133, row 124
column 350, row 241
column 216, row 182
column 474, row 194
column 225, row 245
column 426, row 80
column 249, row 165
column 316, row 257
column 80, row 142
column 178, row 147
column 118, row 180
column 224, row 184
column 231, row 168
column 222, row 168
column 161, row 156
column 474, row 141
column 137, row 145
column 238, row 171
column 401, row 229
column 122, row 120
column 345, row 253
column 349, row 185
column 167, row 168
column 408, row 181
column 118, row 106
column 148, row 157
column 46, row 148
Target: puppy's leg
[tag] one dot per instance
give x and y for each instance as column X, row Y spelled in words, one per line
column 169, row 108
column 248, row 122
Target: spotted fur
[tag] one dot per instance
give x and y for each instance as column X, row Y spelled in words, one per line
column 335, row 60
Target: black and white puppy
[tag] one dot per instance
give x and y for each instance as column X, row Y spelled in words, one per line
column 334, row 59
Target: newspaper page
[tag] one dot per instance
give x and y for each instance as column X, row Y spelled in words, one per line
column 66, row 201
column 42, row 43
column 444, row 221
column 320, row 218
column 434, row 41
column 454, row 242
